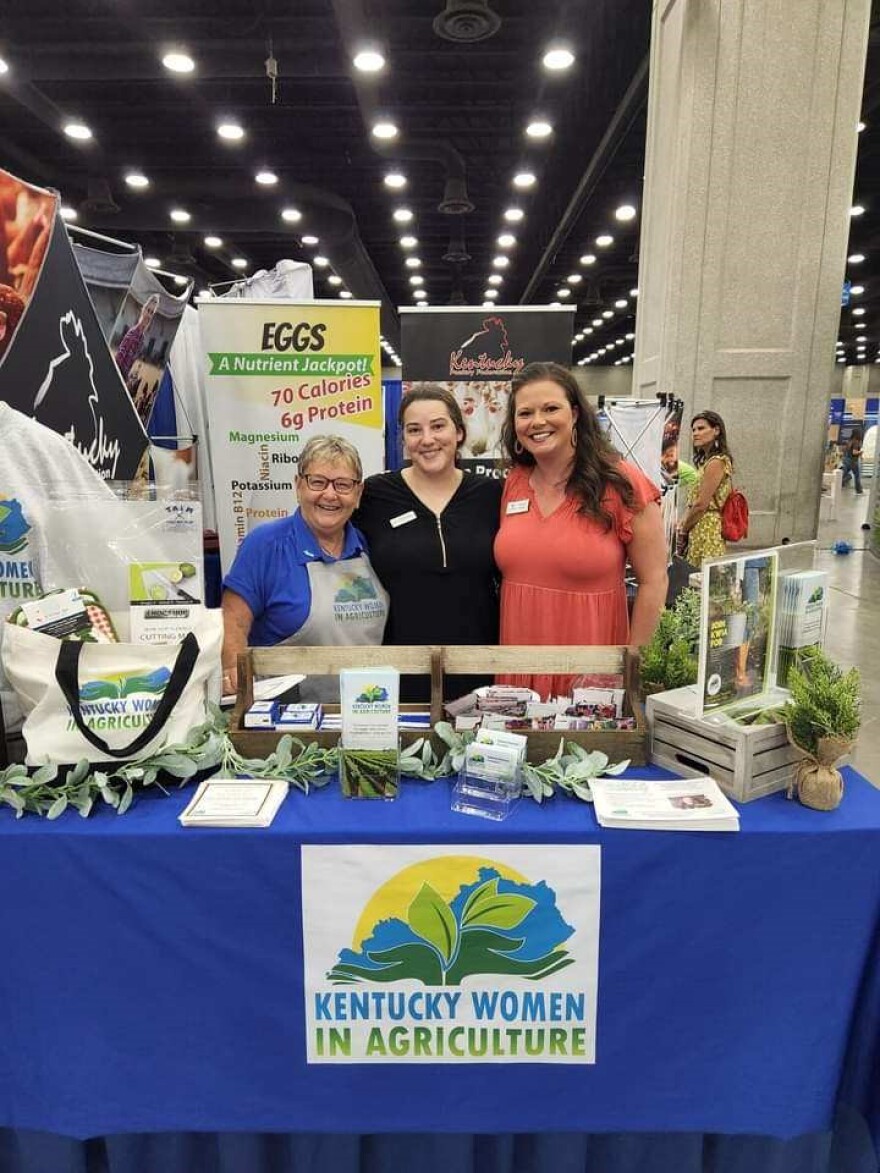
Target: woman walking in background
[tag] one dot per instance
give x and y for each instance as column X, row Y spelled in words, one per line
column 699, row 531
column 852, row 460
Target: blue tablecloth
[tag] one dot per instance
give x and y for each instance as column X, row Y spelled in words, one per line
column 151, row 977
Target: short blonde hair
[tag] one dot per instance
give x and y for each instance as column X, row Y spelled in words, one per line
column 330, row 448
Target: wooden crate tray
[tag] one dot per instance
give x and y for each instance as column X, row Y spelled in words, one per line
column 747, row 761
column 442, row 665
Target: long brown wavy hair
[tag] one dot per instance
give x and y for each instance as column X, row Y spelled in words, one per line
column 595, row 468
column 719, row 447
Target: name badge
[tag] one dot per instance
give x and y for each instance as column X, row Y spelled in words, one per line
column 517, row 506
column 402, row 519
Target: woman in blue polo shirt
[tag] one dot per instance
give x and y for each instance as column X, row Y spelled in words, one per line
column 306, row 579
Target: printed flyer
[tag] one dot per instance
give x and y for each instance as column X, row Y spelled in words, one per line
column 458, row 954
column 276, row 374
column 737, row 629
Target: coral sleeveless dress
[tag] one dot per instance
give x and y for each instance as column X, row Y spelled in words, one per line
column 563, row 574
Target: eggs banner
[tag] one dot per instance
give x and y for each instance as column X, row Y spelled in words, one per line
column 458, row 954
column 277, row 374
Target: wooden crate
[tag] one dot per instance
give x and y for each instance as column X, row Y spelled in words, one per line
column 747, row 761
column 617, row 743
column 319, row 661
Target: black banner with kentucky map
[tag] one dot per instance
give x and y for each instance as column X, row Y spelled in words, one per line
column 55, row 365
column 475, row 353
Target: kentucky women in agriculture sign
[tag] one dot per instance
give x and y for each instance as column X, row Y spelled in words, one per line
column 451, row 955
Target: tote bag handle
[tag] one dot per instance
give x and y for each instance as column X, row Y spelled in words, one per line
column 67, row 675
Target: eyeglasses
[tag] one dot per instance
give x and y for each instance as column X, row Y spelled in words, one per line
column 342, row 485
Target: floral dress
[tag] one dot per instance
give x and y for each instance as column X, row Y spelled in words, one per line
column 705, row 540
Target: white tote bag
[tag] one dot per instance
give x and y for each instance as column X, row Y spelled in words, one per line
column 111, row 702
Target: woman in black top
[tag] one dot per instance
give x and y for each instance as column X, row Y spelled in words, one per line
column 430, row 529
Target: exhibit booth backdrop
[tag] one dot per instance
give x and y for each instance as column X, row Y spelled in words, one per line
column 54, row 361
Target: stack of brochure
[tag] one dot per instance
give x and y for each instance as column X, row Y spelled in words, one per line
column 235, row 802
column 682, row 804
column 802, row 604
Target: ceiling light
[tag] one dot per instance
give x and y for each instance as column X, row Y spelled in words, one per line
column 539, row 129
column 574, row 278
column 213, row 241
column 629, row 337
column 4, row 68
column 588, row 329
column 634, row 292
column 291, row 215
column 860, row 126
column 608, row 314
column 384, row 130
column 857, row 210
column 416, row 279
column 488, row 305
column 413, row 263
column 556, row 303
column 495, row 279
column 500, row 262
column 204, row 293
column 859, row 338
column 604, row 241
column 137, row 180
column 68, row 213
column 402, row 215
column 588, row 259
column 310, row 239
column 344, row 293
column 490, row 294
column 181, row 281
column 266, row 178
column 524, row 179
column 620, row 303
column 178, row 62
column 239, row 263
column 514, row 215
column 625, row 212
column 855, row 258
column 152, row 262
column 597, row 321
column 179, row 216
column 368, row 61
column 334, row 280
column 320, row 262
column 855, row 290
column 408, row 241
column 563, row 292
column 231, row 131
column 77, row 130
column 395, row 180
column 857, row 313
column 419, row 294
column 506, row 240
column 558, row 57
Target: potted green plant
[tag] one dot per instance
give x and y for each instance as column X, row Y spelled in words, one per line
column 669, row 660
column 822, row 718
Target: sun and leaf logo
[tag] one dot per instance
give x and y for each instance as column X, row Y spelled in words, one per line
column 498, row 923
column 118, row 686
column 13, row 527
column 355, row 589
column 372, row 694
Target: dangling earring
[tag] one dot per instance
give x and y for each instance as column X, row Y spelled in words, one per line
column 574, row 436
column 518, row 448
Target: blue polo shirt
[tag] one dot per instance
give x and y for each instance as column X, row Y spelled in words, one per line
column 270, row 572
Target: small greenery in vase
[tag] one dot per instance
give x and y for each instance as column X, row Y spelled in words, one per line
column 669, row 660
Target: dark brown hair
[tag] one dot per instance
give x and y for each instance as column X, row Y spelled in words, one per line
column 422, row 392
column 596, row 462
column 719, row 444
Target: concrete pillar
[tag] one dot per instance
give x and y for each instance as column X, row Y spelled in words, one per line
column 750, row 160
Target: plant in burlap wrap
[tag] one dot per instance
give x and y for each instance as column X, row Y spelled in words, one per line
column 822, row 719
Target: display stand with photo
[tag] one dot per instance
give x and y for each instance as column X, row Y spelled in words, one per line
column 737, row 630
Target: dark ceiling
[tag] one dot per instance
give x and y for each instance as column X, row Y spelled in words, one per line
column 461, row 109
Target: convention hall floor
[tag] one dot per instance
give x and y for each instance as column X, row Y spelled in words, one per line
column 853, row 633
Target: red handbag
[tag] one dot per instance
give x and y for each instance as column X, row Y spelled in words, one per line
column 735, row 517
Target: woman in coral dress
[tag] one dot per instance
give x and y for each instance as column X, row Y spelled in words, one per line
column 572, row 515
